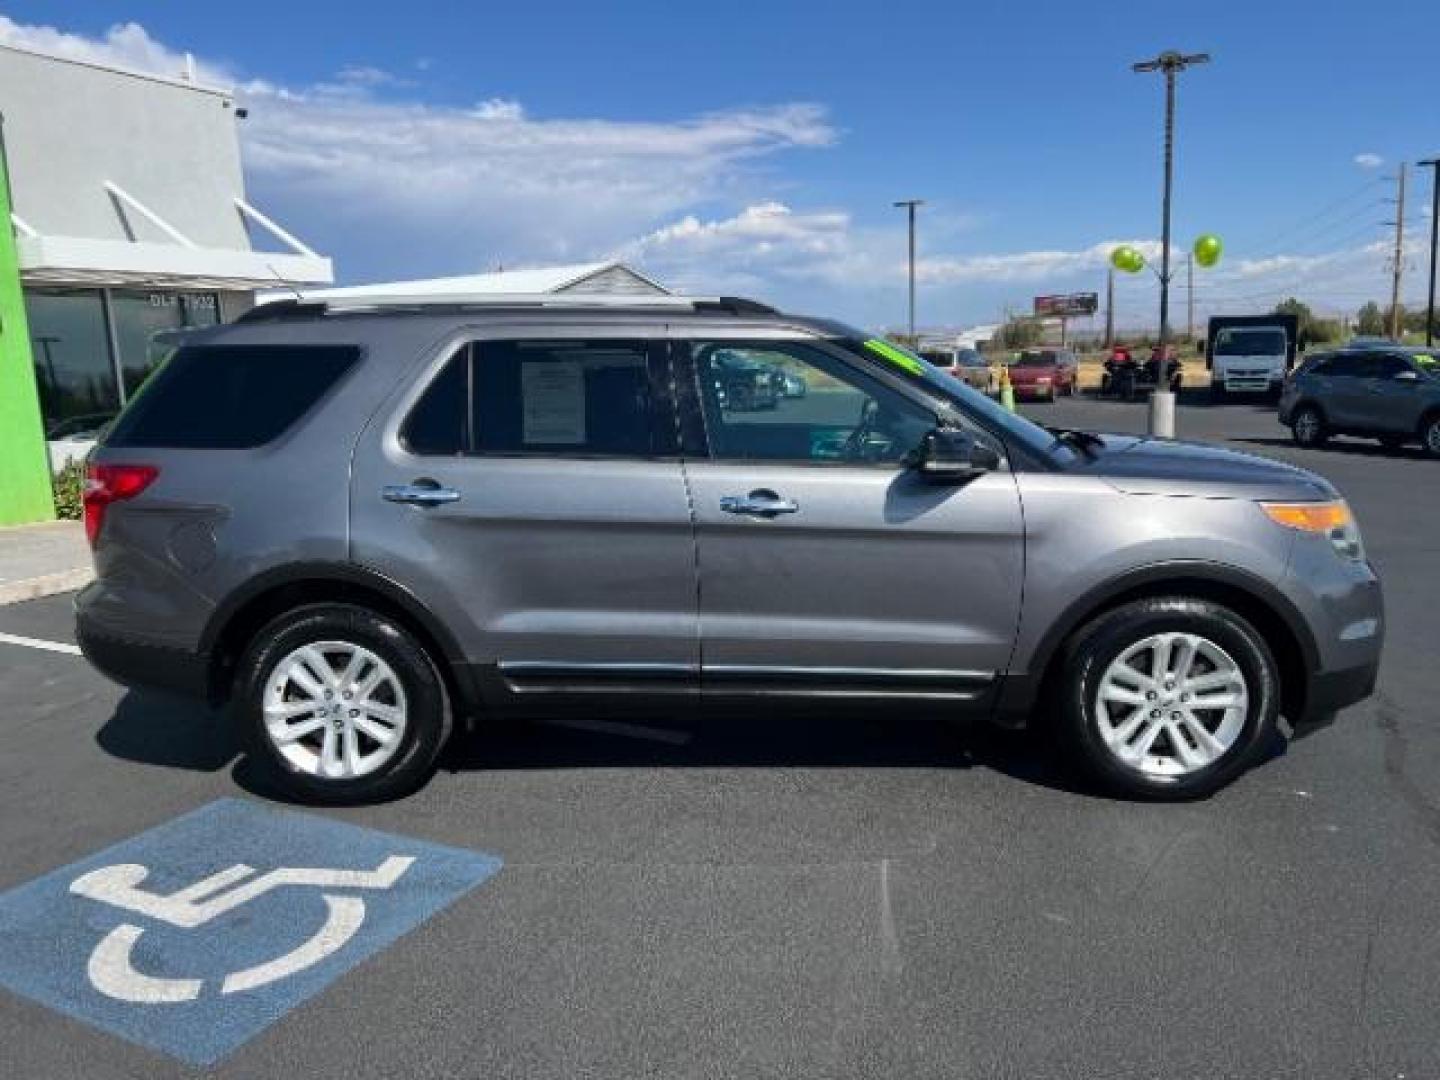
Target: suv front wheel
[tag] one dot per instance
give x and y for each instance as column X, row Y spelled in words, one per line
column 342, row 704
column 1169, row 698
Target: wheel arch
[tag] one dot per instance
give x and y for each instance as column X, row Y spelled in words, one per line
column 241, row 615
column 1274, row 617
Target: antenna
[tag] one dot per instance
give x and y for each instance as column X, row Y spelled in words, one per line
column 299, row 296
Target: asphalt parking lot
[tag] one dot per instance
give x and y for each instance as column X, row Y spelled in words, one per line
column 756, row 896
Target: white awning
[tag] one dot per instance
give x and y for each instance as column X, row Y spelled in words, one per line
column 68, row 260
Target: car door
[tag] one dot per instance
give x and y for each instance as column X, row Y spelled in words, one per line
column 1391, row 403
column 528, row 490
column 827, row 566
column 1341, row 390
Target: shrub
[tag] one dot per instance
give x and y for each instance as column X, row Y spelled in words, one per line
column 70, row 491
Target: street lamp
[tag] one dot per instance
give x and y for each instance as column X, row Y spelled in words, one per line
column 910, row 205
column 1171, row 63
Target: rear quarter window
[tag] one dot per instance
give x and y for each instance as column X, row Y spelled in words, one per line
column 230, row 397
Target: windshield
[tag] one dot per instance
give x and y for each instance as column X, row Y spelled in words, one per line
column 957, row 395
column 1035, row 359
column 970, row 358
column 1250, row 343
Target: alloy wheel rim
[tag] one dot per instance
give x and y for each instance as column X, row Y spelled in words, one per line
column 1307, row 426
column 1171, row 704
column 1432, row 437
column 335, row 710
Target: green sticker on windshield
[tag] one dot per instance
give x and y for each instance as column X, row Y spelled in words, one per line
column 1424, row 360
column 899, row 357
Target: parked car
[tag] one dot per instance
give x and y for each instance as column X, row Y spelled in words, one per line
column 970, row 366
column 790, row 384
column 1043, row 373
column 1386, row 393
column 366, row 524
column 746, row 385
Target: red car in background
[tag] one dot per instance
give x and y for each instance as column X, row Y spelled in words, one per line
column 1043, row 373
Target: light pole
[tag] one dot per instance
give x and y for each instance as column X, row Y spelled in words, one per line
column 1171, row 63
column 1434, row 166
column 910, row 205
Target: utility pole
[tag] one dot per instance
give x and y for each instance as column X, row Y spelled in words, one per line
column 1399, row 267
column 1434, row 166
column 1189, row 297
column 1171, row 63
column 1109, row 308
column 910, row 205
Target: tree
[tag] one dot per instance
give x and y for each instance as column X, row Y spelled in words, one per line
column 1020, row 333
column 1370, row 322
column 1304, row 319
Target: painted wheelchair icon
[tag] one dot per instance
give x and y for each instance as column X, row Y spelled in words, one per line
column 112, row 972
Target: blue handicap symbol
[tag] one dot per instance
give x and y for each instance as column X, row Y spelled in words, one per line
column 197, row 935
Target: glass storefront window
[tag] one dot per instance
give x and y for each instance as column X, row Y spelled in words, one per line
column 72, row 355
column 140, row 315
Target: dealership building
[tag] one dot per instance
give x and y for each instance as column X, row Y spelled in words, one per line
column 128, row 219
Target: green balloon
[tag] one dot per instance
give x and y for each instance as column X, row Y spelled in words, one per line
column 1208, row 249
column 1127, row 259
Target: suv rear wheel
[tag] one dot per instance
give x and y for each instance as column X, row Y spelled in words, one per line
column 342, row 704
column 1169, row 698
column 1307, row 426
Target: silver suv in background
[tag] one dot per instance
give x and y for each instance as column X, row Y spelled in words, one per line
column 363, row 523
column 1388, row 393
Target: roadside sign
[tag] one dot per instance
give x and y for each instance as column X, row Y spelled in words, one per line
column 195, row 936
column 1067, row 305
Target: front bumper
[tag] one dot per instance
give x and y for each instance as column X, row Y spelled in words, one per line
column 1331, row 691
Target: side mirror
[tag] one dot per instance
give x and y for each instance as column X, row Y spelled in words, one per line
column 952, row 456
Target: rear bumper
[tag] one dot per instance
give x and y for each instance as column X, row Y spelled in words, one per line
column 142, row 665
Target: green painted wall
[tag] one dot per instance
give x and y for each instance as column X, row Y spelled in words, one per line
column 25, row 492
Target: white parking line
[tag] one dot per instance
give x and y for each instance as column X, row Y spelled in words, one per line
column 40, row 643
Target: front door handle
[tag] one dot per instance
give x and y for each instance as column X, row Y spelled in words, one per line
column 420, row 493
column 762, row 501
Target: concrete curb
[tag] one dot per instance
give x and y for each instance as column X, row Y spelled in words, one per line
column 15, row 592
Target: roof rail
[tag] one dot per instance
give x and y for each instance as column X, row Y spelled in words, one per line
column 304, row 307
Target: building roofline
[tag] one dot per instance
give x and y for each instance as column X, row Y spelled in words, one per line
column 227, row 93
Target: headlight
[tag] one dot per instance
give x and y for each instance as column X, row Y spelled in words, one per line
column 1332, row 520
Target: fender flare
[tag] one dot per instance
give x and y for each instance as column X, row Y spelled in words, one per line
column 338, row 573
column 1019, row 691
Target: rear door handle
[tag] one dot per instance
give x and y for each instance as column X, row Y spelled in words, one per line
column 420, row 493
column 761, row 501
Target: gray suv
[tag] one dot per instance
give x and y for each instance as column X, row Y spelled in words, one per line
column 1390, row 393
column 365, row 524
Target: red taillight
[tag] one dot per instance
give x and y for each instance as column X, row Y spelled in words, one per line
column 105, row 484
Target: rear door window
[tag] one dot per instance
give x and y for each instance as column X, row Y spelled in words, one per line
column 589, row 398
column 230, row 397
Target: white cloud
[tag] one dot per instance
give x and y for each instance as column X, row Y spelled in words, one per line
column 1369, row 161
column 396, row 187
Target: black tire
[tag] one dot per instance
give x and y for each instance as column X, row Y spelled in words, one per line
column 1092, row 650
column 1305, row 433
column 1218, row 393
column 428, row 719
column 1127, row 388
column 1430, row 435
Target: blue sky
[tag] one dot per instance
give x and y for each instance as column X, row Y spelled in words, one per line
column 758, row 148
